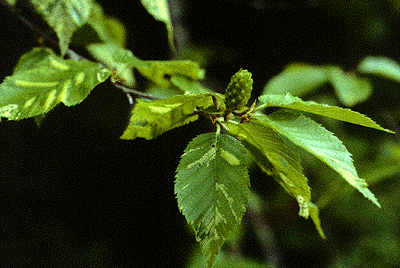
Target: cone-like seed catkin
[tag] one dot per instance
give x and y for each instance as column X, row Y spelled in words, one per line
column 238, row 92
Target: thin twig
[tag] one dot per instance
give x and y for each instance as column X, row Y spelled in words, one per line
column 135, row 92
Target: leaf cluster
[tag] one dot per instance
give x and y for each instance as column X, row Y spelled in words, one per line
column 212, row 183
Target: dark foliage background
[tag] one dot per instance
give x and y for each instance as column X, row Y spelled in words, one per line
column 73, row 195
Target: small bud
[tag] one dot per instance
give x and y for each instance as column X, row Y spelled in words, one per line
column 238, row 92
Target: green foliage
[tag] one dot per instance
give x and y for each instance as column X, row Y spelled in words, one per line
column 160, row 72
column 276, row 158
column 160, row 11
column 41, row 80
column 315, row 139
column 152, row 118
column 351, row 87
column 212, row 188
column 64, row 16
column 212, row 181
column 346, row 115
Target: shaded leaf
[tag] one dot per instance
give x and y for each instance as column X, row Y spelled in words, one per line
column 100, row 28
column 108, row 29
column 347, row 115
column 350, row 88
column 12, row 2
column 41, row 80
column 152, row 118
column 212, row 189
column 160, row 72
column 297, row 79
column 188, row 85
column 311, row 136
column 301, row 79
column 380, row 66
column 160, row 11
column 226, row 260
column 64, row 16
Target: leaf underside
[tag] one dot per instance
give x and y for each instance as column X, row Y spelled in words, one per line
column 41, row 80
column 212, row 188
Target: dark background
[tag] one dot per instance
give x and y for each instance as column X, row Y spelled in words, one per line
column 74, row 195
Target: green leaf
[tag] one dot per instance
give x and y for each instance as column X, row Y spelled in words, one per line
column 315, row 139
column 346, row 115
column 268, row 148
column 160, row 11
column 350, row 88
column 380, row 66
column 100, row 28
column 212, row 188
column 108, row 29
column 311, row 136
column 188, row 85
column 41, row 80
column 152, row 118
column 64, row 16
column 297, row 79
column 12, row 2
column 301, row 79
column 161, row 72
column 103, row 52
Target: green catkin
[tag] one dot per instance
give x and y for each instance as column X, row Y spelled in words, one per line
column 238, row 92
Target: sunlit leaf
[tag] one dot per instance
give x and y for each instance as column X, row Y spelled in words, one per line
column 276, row 158
column 350, row 88
column 380, row 66
column 314, row 138
column 212, row 188
column 297, row 79
column 12, row 2
column 160, row 11
column 64, row 16
column 152, row 118
column 41, row 80
column 272, row 155
column 347, row 115
column 103, row 52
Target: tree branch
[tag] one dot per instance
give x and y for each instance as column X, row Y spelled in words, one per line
column 71, row 53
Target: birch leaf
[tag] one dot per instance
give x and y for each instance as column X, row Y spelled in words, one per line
column 311, row 136
column 152, row 118
column 41, row 80
column 64, row 16
column 212, row 189
column 346, row 115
